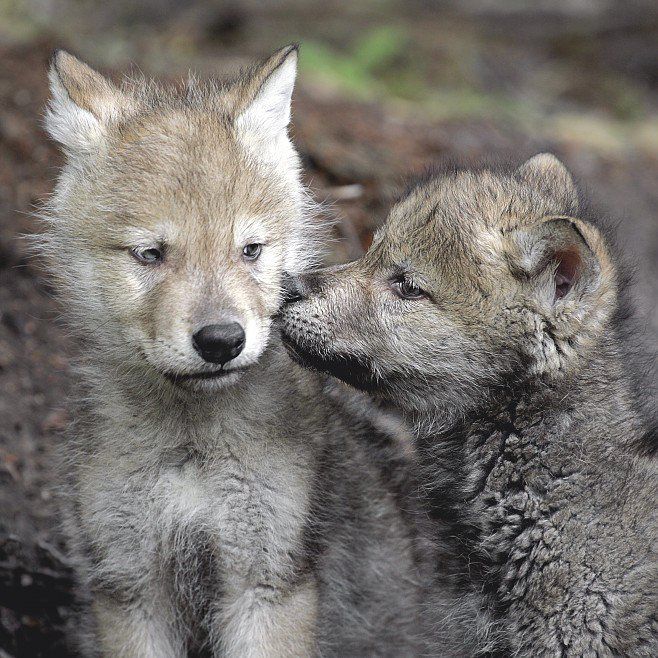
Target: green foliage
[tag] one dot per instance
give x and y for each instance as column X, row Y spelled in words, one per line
column 383, row 64
column 372, row 66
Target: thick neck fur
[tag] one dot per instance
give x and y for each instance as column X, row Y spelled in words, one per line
column 592, row 414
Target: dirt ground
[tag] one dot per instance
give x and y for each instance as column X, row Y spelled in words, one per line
column 357, row 152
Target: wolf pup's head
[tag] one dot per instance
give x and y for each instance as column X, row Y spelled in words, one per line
column 477, row 280
column 177, row 211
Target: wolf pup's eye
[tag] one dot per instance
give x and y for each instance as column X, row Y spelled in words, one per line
column 407, row 289
column 252, row 251
column 147, row 255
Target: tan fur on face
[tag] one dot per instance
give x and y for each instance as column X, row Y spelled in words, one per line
column 200, row 170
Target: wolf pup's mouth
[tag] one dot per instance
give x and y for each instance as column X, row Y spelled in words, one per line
column 194, row 376
column 351, row 370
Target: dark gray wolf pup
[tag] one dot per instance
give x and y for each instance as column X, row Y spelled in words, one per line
column 486, row 311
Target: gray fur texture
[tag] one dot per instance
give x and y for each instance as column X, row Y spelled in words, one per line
column 486, row 311
column 225, row 510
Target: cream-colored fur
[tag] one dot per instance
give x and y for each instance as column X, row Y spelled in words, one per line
column 228, row 508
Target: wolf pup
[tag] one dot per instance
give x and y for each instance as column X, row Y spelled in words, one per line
column 220, row 502
column 487, row 311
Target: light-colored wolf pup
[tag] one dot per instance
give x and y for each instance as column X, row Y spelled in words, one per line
column 220, row 502
column 487, row 311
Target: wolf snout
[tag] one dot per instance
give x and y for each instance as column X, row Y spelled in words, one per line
column 299, row 287
column 219, row 343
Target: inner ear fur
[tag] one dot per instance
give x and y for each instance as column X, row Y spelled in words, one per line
column 262, row 95
column 83, row 104
column 87, row 88
column 564, row 262
column 567, row 290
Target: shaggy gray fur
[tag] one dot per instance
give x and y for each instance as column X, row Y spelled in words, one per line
column 486, row 311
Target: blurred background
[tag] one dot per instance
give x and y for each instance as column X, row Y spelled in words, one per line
column 385, row 89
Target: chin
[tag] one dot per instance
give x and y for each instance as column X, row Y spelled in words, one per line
column 207, row 382
column 355, row 371
column 214, row 384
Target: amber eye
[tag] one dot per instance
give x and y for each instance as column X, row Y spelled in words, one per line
column 252, row 251
column 148, row 255
column 407, row 289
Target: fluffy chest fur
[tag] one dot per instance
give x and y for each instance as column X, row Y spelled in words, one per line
column 252, row 508
column 224, row 516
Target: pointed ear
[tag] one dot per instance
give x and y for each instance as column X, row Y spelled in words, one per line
column 83, row 103
column 265, row 108
column 568, row 283
column 545, row 172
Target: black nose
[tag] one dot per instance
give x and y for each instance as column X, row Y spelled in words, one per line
column 219, row 343
column 292, row 289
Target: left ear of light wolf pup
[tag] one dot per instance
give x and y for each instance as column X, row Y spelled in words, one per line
column 219, row 500
column 486, row 311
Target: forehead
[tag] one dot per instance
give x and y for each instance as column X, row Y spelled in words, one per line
column 466, row 212
column 463, row 202
column 447, row 218
column 188, row 166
